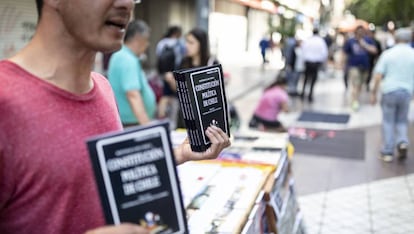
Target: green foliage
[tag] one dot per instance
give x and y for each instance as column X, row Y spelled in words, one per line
column 287, row 27
column 381, row 11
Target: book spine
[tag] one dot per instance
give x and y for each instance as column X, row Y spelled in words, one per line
column 195, row 114
column 192, row 120
column 181, row 98
column 186, row 108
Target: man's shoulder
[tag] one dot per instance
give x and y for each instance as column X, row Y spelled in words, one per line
column 369, row 40
column 351, row 40
column 168, row 42
column 410, row 51
column 101, row 81
column 397, row 54
column 6, row 65
column 98, row 77
column 399, row 49
column 5, row 72
column 8, row 70
column 122, row 54
column 122, row 58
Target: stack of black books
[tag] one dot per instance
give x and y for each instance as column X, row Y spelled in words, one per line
column 203, row 103
column 137, row 180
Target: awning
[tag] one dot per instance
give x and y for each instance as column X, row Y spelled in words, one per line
column 264, row 5
column 351, row 24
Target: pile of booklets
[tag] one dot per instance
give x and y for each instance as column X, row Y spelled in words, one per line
column 137, row 179
column 203, row 103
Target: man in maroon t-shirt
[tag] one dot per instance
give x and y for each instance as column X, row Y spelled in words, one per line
column 50, row 103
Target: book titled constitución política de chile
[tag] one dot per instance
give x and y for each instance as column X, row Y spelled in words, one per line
column 136, row 175
column 203, row 103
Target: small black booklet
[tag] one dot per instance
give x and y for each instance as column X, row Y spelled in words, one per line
column 137, row 179
column 203, row 102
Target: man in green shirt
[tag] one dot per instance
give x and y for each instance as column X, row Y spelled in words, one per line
column 134, row 96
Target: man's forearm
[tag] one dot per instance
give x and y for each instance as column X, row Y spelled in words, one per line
column 370, row 48
column 377, row 79
column 137, row 106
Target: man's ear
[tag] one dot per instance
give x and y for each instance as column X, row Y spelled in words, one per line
column 52, row 3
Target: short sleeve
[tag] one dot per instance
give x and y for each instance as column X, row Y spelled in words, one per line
column 380, row 67
column 5, row 182
column 284, row 96
column 129, row 72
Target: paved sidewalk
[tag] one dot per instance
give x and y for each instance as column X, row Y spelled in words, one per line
column 314, row 173
column 338, row 195
column 380, row 207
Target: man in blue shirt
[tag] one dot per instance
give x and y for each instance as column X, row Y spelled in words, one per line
column 395, row 72
column 264, row 45
column 135, row 97
column 358, row 50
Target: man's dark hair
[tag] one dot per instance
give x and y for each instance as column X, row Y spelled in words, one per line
column 39, row 5
column 173, row 30
column 136, row 27
column 359, row 27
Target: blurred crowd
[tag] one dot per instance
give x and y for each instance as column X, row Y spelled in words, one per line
column 141, row 100
column 355, row 51
column 379, row 62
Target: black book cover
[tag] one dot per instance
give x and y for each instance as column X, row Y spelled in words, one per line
column 206, row 93
column 137, row 179
column 182, row 92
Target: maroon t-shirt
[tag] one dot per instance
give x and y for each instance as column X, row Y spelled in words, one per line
column 46, row 179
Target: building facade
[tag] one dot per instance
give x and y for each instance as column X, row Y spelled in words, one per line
column 234, row 26
column 18, row 20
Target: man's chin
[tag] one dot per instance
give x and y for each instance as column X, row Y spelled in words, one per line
column 110, row 48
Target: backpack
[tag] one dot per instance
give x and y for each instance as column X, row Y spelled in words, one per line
column 166, row 60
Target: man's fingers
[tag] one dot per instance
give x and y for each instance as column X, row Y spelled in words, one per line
column 221, row 136
column 217, row 136
column 213, row 135
column 124, row 228
column 222, row 133
column 218, row 139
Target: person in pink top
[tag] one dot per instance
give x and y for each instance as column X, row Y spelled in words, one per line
column 50, row 103
column 272, row 102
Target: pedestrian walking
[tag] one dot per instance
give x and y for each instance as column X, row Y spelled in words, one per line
column 315, row 53
column 297, row 71
column 373, row 57
column 265, row 45
column 395, row 72
column 357, row 50
column 170, row 51
column 134, row 96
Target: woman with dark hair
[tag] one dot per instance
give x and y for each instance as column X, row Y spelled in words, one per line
column 198, row 54
column 273, row 101
column 198, row 50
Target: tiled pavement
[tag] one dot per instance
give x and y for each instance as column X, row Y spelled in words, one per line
column 379, row 207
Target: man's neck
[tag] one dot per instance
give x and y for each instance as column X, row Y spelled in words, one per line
column 134, row 47
column 57, row 61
